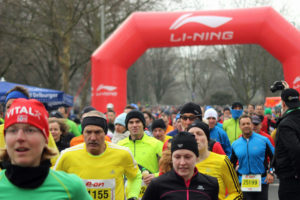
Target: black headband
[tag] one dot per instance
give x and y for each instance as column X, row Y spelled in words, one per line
column 97, row 121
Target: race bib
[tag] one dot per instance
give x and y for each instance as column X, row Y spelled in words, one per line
column 251, row 183
column 143, row 189
column 101, row 189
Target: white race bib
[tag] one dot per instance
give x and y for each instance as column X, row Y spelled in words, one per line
column 251, row 183
column 101, row 188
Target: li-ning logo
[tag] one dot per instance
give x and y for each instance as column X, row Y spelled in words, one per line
column 210, row 21
column 296, row 82
column 106, row 90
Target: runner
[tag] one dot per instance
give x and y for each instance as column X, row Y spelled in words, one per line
column 27, row 174
column 101, row 164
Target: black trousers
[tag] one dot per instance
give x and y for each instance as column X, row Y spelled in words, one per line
column 263, row 195
column 289, row 189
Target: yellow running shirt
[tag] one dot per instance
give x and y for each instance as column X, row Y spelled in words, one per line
column 219, row 166
column 103, row 174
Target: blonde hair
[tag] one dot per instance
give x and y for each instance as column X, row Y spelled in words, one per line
column 62, row 124
column 47, row 154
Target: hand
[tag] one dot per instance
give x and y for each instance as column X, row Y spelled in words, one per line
column 285, row 84
column 269, row 179
column 147, row 179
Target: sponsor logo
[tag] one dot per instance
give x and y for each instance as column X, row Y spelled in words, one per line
column 296, row 83
column 200, row 187
column 106, row 90
column 209, row 21
column 18, row 110
column 94, row 184
column 180, row 145
column 22, row 118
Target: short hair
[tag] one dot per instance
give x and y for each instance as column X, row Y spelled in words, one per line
column 251, row 105
column 147, row 112
column 64, row 128
column 262, row 105
column 93, row 113
column 245, row 116
column 129, row 107
column 226, row 108
column 19, row 89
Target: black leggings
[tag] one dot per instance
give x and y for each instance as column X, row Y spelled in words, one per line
column 263, row 195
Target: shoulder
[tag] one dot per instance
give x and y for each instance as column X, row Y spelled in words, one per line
column 238, row 141
column 65, row 179
column 151, row 140
column 207, row 180
column 124, row 141
column 117, row 148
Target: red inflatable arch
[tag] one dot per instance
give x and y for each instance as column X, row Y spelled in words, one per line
column 143, row 30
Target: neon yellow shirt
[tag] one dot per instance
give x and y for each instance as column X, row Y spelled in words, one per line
column 51, row 143
column 103, row 174
column 219, row 166
column 146, row 151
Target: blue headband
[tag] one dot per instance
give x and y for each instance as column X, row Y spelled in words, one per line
column 15, row 95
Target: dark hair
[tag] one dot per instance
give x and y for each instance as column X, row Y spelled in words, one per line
column 226, row 108
column 245, row 116
column 19, row 89
column 147, row 112
column 111, row 110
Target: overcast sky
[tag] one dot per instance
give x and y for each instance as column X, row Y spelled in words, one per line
column 289, row 9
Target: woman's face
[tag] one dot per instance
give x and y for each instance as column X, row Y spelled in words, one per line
column 25, row 145
column 200, row 138
column 55, row 131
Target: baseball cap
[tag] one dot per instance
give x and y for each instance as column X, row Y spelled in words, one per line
column 256, row 119
column 291, row 97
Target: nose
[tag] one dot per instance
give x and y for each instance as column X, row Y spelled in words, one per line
column 93, row 136
column 20, row 135
column 181, row 161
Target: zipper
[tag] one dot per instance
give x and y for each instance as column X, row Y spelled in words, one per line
column 134, row 148
column 248, row 156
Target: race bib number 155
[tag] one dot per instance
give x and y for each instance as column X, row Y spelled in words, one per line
column 101, row 189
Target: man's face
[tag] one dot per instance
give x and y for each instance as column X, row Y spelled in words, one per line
column 211, row 122
column 135, row 127
column 250, row 109
column 187, row 119
column 259, row 110
column 147, row 119
column 256, row 127
column 94, row 138
column 111, row 117
column 246, row 127
column 184, row 162
column 120, row 128
column 165, row 118
column 159, row 134
column 227, row 114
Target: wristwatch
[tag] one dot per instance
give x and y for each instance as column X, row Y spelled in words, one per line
column 271, row 172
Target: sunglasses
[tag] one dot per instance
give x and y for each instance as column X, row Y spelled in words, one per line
column 191, row 118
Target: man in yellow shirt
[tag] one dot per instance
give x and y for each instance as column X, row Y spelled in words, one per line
column 102, row 165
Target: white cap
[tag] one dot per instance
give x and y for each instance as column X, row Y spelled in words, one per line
column 110, row 106
column 210, row 113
